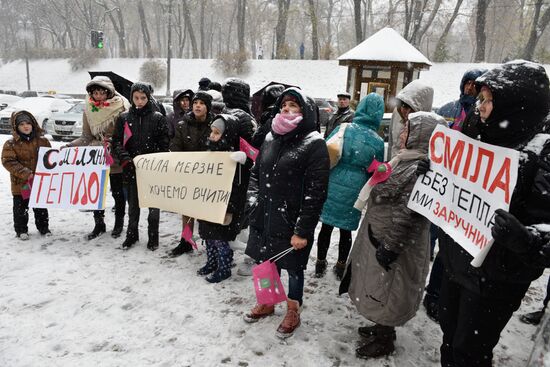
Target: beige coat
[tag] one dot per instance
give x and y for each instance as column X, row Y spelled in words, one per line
column 391, row 298
column 98, row 124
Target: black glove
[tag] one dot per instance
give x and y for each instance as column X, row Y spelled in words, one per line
column 128, row 171
column 385, row 257
column 510, row 233
column 423, row 167
column 542, row 179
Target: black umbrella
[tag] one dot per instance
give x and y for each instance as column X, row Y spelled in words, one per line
column 122, row 85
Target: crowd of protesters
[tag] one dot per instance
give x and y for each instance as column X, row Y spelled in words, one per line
column 293, row 186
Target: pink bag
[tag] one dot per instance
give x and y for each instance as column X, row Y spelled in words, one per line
column 267, row 282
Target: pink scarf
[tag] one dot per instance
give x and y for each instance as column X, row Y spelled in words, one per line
column 284, row 123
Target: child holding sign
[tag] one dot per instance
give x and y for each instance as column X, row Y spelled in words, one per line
column 224, row 137
column 19, row 157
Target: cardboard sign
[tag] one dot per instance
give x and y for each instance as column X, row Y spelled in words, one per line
column 196, row 184
column 71, row 178
column 468, row 180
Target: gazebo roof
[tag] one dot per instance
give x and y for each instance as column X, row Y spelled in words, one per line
column 385, row 45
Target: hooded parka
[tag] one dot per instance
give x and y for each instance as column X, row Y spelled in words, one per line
column 361, row 144
column 288, row 187
column 392, row 297
column 19, row 156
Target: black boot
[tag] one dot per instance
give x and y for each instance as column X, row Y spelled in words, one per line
column 182, row 248
column 379, row 345
column 129, row 242
column 119, row 225
column 99, row 227
column 339, row 269
column 371, row 331
column 320, row 268
column 211, row 260
column 532, row 318
column 431, row 304
column 153, row 242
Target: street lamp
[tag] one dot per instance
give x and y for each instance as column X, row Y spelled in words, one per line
column 26, row 36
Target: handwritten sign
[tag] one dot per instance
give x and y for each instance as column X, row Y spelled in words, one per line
column 196, row 184
column 71, row 178
column 468, row 180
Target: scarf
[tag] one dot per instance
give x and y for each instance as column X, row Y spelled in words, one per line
column 282, row 124
column 101, row 115
column 403, row 155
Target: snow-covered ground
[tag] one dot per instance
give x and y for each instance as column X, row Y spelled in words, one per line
column 316, row 78
column 65, row 301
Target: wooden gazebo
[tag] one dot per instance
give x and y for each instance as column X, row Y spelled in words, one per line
column 384, row 63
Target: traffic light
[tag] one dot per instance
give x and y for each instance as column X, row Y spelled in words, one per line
column 97, row 39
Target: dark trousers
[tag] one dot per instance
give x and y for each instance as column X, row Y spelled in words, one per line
column 134, row 211
column 434, row 284
column 295, row 284
column 21, row 216
column 471, row 324
column 117, row 191
column 323, row 243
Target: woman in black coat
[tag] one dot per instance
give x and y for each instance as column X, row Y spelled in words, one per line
column 476, row 303
column 288, row 186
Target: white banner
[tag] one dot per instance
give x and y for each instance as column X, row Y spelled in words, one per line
column 468, row 180
column 196, row 184
column 71, row 178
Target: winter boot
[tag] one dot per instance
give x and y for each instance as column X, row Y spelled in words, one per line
column 45, row 232
column 291, row 321
column 119, row 225
column 431, row 304
column 153, row 242
column 339, row 269
column 379, row 345
column 99, row 228
column 320, row 268
column 129, row 241
column 372, row 331
column 182, row 248
column 211, row 260
column 258, row 312
column 225, row 257
column 23, row 236
column 532, row 318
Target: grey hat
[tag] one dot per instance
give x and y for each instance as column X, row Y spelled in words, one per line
column 219, row 124
column 344, row 95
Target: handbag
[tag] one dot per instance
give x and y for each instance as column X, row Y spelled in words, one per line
column 267, row 282
column 335, row 145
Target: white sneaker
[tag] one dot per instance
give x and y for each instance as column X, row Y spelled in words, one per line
column 23, row 236
column 245, row 269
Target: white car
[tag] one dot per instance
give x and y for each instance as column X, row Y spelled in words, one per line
column 7, row 100
column 41, row 108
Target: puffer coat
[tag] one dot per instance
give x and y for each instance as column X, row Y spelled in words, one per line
column 392, row 297
column 19, row 156
column 288, row 187
column 361, row 144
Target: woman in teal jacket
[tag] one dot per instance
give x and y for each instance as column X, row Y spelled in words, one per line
column 361, row 145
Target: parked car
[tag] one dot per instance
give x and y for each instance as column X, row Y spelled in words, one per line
column 66, row 125
column 325, row 110
column 8, row 99
column 42, row 109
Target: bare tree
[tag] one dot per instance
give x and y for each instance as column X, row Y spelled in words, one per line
column 440, row 53
column 203, row 40
column 118, row 24
column 189, row 25
column 280, row 30
column 481, row 37
column 427, row 25
column 328, row 45
column 537, row 29
column 145, row 30
column 357, row 18
column 314, row 32
column 241, row 19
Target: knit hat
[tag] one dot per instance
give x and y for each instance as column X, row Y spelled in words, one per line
column 219, row 124
column 289, row 97
column 205, row 97
column 204, row 83
column 22, row 117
